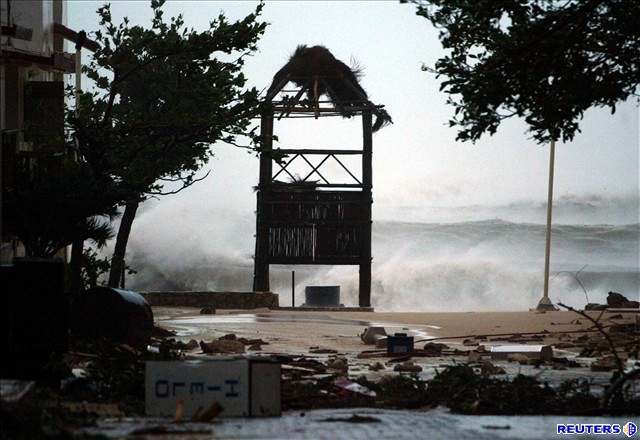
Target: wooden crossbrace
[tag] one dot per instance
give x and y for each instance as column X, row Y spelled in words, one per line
column 315, row 169
column 284, row 168
column 292, row 104
column 346, row 169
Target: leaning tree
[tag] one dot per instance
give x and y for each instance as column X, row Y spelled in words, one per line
column 163, row 95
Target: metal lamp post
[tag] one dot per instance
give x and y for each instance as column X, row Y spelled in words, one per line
column 545, row 303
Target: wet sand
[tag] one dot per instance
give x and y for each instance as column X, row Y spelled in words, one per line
column 287, row 330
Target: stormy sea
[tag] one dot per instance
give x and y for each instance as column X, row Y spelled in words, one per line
column 440, row 259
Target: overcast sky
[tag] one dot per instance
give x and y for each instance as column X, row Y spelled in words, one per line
column 417, row 161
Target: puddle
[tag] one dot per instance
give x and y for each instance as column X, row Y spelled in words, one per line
column 250, row 318
column 185, row 326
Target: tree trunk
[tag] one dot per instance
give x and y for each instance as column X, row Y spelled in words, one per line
column 117, row 262
column 76, row 266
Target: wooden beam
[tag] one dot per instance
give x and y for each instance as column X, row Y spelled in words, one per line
column 261, row 257
column 71, row 35
column 364, row 294
column 327, row 261
column 311, row 151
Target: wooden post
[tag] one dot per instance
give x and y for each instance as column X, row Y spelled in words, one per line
column 364, row 295
column 293, row 288
column 261, row 262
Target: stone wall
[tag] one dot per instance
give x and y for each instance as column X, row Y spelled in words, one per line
column 218, row 300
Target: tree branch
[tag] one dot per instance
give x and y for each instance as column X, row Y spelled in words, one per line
column 600, row 328
column 184, row 186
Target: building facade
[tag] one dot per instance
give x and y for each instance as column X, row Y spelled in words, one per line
column 33, row 65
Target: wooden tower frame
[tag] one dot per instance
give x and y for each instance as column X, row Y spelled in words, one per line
column 308, row 222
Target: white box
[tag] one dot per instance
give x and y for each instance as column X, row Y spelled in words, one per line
column 243, row 387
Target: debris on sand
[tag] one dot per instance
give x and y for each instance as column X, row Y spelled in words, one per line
column 205, row 416
column 376, row 366
column 619, row 301
column 542, row 352
column 355, row 418
column 222, row 346
column 407, row 367
column 605, row 363
column 318, row 350
column 615, row 300
column 208, row 311
column 354, row 387
column 488, row 369
column 435, row 348
column 373, row 334
column 338, row 364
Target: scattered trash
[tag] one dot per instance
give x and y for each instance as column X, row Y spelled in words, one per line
column 487, row 368
column 317, row 350
column 372, row 334
column 478, row 354
column 339, row 364
column 615, row 300
column 208, row 414
column 222, row 346
column 518, row 357
column 159, row 332
column 399, row 343
column 606, row 363
column 354, row 387
column 99, row 409
column 167, row 430
column 595, row 306
column 376, row 367
column 355, row 418
column 543, row 352
column 435, row 348
column 407, row 367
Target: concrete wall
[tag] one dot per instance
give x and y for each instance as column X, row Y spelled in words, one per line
column 218, row 300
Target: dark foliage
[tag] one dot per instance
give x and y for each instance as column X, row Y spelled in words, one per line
column 544, row 61
column 57, row 200
column 465, row 391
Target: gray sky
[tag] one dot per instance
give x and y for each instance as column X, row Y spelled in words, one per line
column 416, row 161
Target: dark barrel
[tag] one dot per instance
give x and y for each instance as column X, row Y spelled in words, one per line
column 322, row 296
column 120, row 315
